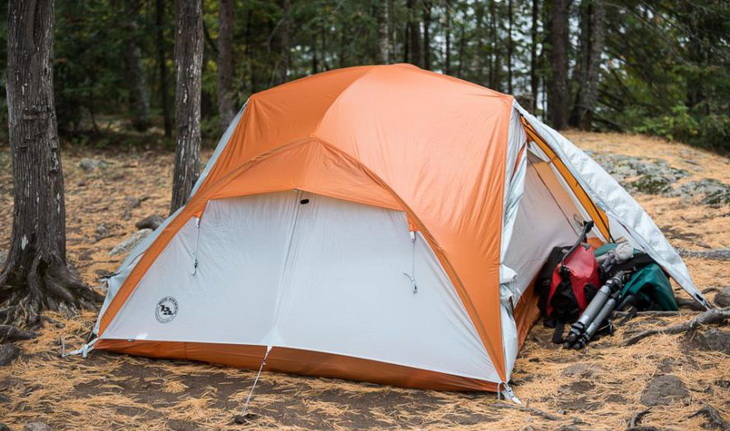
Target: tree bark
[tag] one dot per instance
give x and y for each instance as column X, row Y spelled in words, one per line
column 285, row 62
column 509, row 46
column 138, row 99
column 383, row 33
column 494, row 47
column 558, row 94
column 35, row 276
column 534, row 83
column 189, row 64
column 226, row 98
column 414, row 33
column 427, row 62
column 162, row 65
column 592, row 42
column 447, row 47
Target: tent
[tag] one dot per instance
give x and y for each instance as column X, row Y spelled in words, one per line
column 376, row 223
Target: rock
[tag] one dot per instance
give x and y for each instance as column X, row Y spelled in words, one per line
column 651, row 184
column 91, row 164
column 150, row 222
column 722, row 299
column 713, row 339
column 713, row 192
column 102, row 231
column 4, row 427
column 128, row 244
column 37, row 426
column 4, row 399
column 8, row 353
column 9, row 334
column 663, row 390
column 582, row 370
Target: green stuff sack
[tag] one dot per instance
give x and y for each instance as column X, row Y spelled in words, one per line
column 651, row 287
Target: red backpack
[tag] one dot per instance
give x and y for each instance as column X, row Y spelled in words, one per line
column 567, row 282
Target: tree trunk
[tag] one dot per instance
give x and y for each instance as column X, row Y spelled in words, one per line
column 427, row 62
column 226, row 98
column 558, row 95
column 447, row 47
column 592, row 40
column 509, row 46
column 138, row 100
column 534, row 83
column 383, row 39
column 162, row 64
column 414, row 33
column 35, row 276
column 189, row 64
column 285, row 62
column 493, row 54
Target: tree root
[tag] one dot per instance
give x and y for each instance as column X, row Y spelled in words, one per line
column 717, row 315
column 9, row 334
column 530, row 410
column 636, row 419
column 46, row 284
column 714, row 417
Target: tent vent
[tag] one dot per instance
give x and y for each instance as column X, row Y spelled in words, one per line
column 304, row 201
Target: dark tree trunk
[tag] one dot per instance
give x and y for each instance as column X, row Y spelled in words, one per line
column 592, row 41
column 285, row 62
column 558, row 94
column 494, row 51
column 383, row 33
column 189, row 64
column 414, row 33
column 138, row 100
column 35, row 276
column 509, row 46
column 534, row 83
column 447, row 48
column 162, row 64
column 226, row 98
column 427, row 62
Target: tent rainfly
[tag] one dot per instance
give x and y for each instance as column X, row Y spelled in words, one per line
column 376, row 223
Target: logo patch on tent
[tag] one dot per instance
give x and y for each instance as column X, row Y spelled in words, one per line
column 166, row 309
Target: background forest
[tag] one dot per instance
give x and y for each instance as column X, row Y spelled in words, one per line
column 659, row 67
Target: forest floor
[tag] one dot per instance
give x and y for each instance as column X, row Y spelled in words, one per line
column 602, row 387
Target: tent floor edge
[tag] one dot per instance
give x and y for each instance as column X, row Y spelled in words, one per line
column 299, row 362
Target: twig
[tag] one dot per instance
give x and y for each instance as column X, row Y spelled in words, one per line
column 713, row 415
column 637, row 418
column 716, row 315
column 649, row 313
column 529, row 410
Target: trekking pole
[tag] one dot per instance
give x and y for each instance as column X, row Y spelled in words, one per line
column 591, row 318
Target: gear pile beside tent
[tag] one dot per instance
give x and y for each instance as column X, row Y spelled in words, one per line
column 379, row 223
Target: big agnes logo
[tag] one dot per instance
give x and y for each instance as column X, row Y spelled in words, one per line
column 166, row 309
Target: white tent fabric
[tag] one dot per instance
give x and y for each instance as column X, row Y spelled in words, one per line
column 326, row 275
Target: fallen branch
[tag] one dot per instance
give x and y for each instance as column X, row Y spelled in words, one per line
column 714, row 417
column 636, row 419
column 649, row 313
column 716, row 315
column 530, row 410
column 714, row 254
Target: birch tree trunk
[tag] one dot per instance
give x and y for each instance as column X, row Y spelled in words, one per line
column 226, row 99
column 383, row 33
column 188, row 63
column 35, row 276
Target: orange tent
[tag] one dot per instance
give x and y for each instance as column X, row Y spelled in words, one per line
column 373, row 223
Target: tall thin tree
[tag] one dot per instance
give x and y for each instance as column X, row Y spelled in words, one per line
column 534, row 83
column 162, row 66
column 138, row 99
column 226, row 98
column 558, row 38
column 591, row 47
column 383, row 33
column 36, row 276
column 188, row 63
